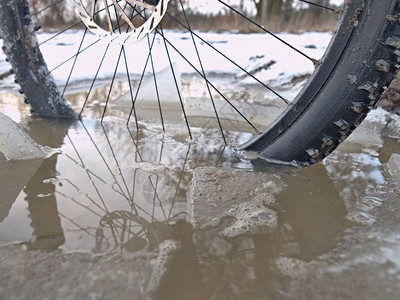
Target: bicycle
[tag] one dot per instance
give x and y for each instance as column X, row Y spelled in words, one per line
column 347, row 82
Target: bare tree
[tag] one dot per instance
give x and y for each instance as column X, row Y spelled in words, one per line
column 53, row 17
column 267, row 9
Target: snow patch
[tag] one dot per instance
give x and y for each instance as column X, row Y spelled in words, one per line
column 247, row 50
column 15, row 144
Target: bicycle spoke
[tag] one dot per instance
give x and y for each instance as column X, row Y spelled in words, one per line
column 130, row 89
column 125, row 59
column 220, row 156
column 112, row 83
column 210, row 83
column 116, row 162
column 203, row 76
column 204, row 73
column 154, row 204
column 140, row 81
column 87, row 171
column 110, row 25
column 60, row 32
column 83, row 206
column 135, row 205
column 118, row 18
column 269, row 32
column 142, row 4
column 45, row 8
column 156, row 196
column 94, row 80
column 74, row 56
column 320, row 6
column 93, row 8
column 154, row 186
column 104, row 160
column 82, row 164
column 180, row 180
column 176, row 84
column 231, row 61
column 103, row 210
column 74, row 63
column 123, row 14
column 72, row 26
column 73, row 222
column 136, row 144
column 175, row 81
column 155, row 82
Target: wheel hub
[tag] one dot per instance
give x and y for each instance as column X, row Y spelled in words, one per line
column 128, row 21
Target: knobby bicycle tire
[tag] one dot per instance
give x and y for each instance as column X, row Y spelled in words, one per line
column 349, row 80
column 355, row 70
column 22, row 50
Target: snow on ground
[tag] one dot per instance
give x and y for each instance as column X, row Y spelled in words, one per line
column 214, row 7
column 260, row 54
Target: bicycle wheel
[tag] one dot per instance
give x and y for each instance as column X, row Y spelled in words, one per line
column 347, row 82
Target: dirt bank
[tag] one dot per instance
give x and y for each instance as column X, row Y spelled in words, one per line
column 391, row 99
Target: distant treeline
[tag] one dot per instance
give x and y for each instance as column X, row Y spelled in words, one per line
column 276, row 15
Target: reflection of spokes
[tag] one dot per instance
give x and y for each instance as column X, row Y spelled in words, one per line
column 124, row 230
column 127, row 12
column 112, row 192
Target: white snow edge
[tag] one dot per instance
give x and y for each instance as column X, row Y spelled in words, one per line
column 16, row 144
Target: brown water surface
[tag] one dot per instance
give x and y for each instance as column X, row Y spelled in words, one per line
column 203, row 223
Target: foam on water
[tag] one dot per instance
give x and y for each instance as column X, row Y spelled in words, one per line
column 166, row 249
column 250, row 217
column 361, row 218
column 290, row 266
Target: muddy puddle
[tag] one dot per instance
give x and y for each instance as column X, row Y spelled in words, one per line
column 121, row 213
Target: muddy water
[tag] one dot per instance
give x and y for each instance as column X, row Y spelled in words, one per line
column 133, row 214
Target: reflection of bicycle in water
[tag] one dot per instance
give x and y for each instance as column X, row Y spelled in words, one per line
column 110, row 207
column 205, row 263
column 347, row 82
column 126, row 231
